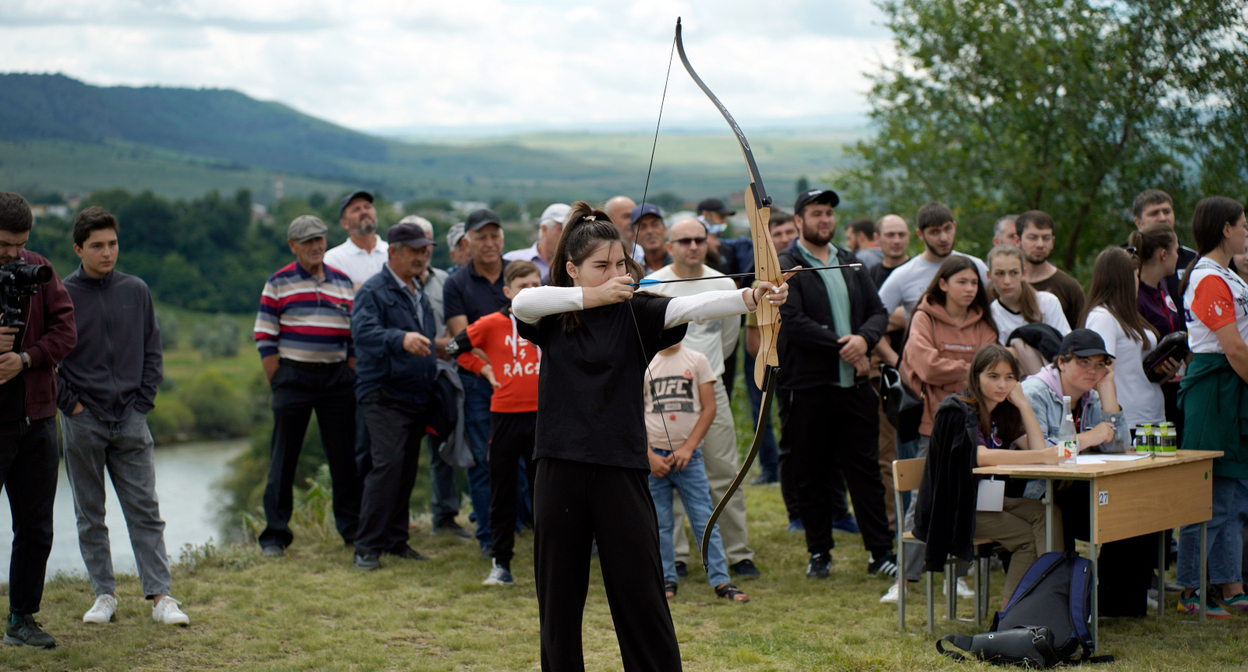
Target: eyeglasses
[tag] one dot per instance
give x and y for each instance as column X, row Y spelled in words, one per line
column 701, row 240
column 1088, row 363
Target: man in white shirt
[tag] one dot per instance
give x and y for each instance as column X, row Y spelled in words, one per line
column 360, row 257
column 687, row 245
column 550, row 227
column 905, row 286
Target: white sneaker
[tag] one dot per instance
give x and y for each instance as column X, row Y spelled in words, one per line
column 893, row 594
column 963, row 589
column 499, row 576
column 1152, row 601
column 102, row 611
column 166, row 611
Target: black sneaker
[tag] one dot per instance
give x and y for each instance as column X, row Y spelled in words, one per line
column 745, row 570
column 765, row 479
column 682, row 570
column 452, row 527
column 820, row 566
column 884, row 565
column 366, row 561
column 23, row 630
column 407, row 553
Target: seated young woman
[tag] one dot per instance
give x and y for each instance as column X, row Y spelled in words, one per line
column 990, row 424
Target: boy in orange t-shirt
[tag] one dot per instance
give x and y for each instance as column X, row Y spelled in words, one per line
column 491, row 348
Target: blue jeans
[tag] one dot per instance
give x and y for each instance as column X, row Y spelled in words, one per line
column 1225, row 537
column 695, row 493
column 477, row 395
column 768, row 453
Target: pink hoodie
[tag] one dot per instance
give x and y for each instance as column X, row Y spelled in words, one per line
column 938, row 354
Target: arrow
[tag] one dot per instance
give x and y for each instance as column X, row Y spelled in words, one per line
column 647, row 282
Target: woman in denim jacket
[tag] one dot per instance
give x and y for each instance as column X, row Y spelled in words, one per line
column 1084, row 371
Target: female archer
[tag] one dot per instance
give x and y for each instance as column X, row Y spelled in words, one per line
column 592, row 466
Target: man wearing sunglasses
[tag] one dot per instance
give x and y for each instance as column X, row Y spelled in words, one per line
column 687, row 244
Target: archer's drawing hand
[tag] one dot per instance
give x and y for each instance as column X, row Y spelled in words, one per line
column 615, row 290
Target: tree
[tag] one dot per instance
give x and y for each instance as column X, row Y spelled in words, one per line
column 803, row 184
column 1066, row 106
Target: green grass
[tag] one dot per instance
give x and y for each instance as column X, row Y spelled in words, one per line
column 311, row 611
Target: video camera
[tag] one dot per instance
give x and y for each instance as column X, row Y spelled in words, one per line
column 19, row 280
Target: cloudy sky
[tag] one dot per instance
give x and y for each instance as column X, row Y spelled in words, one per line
column 417, row 64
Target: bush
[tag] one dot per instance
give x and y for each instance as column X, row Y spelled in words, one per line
column 219, row 411
column 168, row 330
column 218, row 339
column 170, row 420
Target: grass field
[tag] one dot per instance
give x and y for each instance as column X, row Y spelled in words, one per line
column 311, row 611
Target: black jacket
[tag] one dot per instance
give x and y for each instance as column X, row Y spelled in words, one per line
column 117, row 365
column 945, row 514
column 809, row 353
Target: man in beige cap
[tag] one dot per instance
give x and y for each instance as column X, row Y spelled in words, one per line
column 303, row 332
column 549, row 228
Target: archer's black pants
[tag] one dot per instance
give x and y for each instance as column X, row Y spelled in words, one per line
column 511, row 438
column 574, row 502
column 28, row 462
column 298, row 389
column 828, row 432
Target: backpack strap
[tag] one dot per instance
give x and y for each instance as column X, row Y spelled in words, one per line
column 961, row 641
column 1081, row 602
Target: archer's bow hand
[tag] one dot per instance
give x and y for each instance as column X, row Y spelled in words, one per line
column 774, row 295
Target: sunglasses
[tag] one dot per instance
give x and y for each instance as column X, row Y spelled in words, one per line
column 701, row 240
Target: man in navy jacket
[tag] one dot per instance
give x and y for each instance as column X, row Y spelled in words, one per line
column 393, row 328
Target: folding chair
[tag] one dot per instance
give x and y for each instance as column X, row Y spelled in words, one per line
column 907, row 476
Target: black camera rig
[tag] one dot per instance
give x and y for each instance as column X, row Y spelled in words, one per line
column 19, row 280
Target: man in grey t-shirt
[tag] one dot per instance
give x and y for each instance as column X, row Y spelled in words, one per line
column 905, row 286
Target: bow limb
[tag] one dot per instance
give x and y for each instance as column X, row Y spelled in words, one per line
column 766, row 267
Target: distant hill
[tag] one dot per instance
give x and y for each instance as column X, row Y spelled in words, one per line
column 60, row 134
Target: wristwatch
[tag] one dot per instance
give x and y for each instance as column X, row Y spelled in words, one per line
column 25, row 360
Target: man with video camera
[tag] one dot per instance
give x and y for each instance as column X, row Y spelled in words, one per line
column 36, row 332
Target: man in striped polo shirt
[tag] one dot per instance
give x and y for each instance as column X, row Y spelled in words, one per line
column 303, row 332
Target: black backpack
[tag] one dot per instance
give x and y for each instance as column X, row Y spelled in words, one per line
column 1054, row 597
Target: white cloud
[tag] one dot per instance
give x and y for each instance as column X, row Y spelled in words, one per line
column 388, row 64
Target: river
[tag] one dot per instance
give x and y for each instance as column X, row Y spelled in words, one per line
column 184, row 477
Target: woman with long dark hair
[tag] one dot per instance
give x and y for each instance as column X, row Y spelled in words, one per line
column 991, row 423
column 1214, row 398
column 597, row 335
column 950, row 323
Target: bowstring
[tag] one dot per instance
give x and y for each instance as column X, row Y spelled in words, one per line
column 646, row 372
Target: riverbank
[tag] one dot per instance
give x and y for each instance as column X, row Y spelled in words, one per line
column 311, row 611
column 189, row 503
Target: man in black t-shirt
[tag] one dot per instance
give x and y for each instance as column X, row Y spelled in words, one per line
column 472, row 293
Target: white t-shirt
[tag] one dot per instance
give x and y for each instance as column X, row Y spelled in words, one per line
column 1050, row 314
column 905, row 286
column 356, row 263
column 1141, row 400
column 715, row 339
column 671, row 391
column 1215, row 297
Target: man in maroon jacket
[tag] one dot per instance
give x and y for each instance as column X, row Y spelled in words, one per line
column 28, row 456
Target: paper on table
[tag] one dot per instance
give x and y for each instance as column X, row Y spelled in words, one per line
column 1122, row 458
column 1088, row 459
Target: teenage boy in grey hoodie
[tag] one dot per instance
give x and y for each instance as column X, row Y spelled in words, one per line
column 107, row 385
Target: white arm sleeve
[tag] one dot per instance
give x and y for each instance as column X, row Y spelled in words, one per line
column 534, row 303
column 700, row 308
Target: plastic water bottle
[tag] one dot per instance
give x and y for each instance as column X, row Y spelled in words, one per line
column 1067, row 440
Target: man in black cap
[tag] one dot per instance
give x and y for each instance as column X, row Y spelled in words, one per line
column 471, row 293
column 650, row 234
column 714, row 216
column 393, row 327
column 360, row 257
column 829, row 423
column 307, row 372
